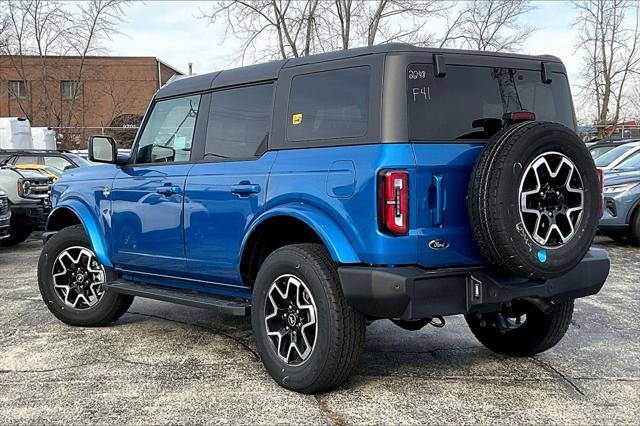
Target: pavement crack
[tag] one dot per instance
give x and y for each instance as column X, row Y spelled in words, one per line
column 547, row 366
column 334, row 417
column 214, row 330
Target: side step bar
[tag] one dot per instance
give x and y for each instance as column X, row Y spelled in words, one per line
column 179, row 296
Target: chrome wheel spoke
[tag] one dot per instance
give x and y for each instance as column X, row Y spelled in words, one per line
column 290, row 319
column 78, row 277
column 551, row 199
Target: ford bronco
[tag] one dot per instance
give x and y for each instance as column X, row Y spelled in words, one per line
column 27, row 194
column 321, row 193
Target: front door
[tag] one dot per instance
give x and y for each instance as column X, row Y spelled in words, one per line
column 148, row 195
column 228, row 189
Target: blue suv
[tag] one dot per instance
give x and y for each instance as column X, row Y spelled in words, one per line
column 321, row 193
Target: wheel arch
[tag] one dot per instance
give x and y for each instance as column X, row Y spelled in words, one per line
column 74, row 212
column 292, row 224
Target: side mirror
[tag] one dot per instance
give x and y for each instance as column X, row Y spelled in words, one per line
column 102, row 149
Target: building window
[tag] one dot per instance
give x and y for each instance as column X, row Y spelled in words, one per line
column 69, row 88
column 17, row 89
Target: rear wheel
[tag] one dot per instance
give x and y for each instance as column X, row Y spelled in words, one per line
column 521, row 329
column 70, row 278
column 634, row 229
column 308, row 336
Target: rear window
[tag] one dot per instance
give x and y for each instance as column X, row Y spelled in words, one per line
column 461, row 104
column 329, row 105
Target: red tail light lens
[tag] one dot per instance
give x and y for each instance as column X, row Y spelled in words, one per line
column 393, row 201
column 600, row 174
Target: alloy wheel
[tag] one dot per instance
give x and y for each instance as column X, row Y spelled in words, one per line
column 551, row 199
column 78, row 278
column 291, row 319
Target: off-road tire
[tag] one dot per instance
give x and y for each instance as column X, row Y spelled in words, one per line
column 538, row 333
column 493, row 200
column 341, row 329
column 19, row 231
column 111, row 306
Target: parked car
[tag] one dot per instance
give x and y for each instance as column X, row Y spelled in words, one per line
column 621, row 219
column 320, row 193
column 60, row 160
column 5, row 216
column 614, row 157
column 602, row 147
column 28, row 195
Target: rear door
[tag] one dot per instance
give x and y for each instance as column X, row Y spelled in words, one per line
column 450, row 117
column 148, row 195
column 227, row 189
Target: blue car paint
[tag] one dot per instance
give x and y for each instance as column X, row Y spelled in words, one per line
column 626, row 202
column 81, row 191
column 194, row 238
column 147, row 226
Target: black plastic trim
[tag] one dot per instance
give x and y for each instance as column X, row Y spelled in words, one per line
column 411, row 292
column 179, row 296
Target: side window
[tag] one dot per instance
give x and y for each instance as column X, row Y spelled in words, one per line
column 56, row 162
column 168, row 134
column 239, row 121
column 26, row 159
column 329, row 105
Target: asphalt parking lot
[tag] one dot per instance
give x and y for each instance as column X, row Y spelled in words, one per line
column 162, row 363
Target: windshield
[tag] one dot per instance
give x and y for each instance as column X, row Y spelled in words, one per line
column 445, row 108
column 631, row 163
column 81, row 162
column 609, row 157
column 598, row 151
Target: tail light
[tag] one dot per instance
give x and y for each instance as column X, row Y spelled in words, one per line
column 600, row 174
column 393, row 201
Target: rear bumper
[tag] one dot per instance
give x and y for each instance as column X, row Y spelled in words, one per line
column 414, row 293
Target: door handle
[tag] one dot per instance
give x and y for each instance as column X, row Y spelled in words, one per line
column 168, row 190
column 245, row 188
column 440, row 200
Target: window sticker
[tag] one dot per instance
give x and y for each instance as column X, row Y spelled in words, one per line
column 296, row 118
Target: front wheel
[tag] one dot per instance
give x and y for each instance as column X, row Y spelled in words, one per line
column 308, row 336
column 70, row 278
column 522, row 329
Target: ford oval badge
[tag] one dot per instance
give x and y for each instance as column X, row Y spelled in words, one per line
column 438, row 244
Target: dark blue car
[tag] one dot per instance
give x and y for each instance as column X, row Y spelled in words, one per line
column 321, row 193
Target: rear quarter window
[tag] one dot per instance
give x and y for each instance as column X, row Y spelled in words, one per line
column 445, row 108
column 329, row 105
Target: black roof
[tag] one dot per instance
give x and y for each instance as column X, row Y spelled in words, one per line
column 270, row 70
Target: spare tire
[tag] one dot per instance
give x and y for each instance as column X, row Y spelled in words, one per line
column 533, row 200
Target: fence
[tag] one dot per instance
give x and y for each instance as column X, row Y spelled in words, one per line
column 76, row 137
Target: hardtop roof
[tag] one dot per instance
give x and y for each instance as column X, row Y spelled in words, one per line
column 270, row 70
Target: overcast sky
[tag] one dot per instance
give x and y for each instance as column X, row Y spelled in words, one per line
column 172, row 32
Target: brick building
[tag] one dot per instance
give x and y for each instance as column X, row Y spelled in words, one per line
column 78, row 97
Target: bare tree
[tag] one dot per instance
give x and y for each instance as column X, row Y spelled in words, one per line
column 489, row 25
column 269, row 29
column 46, row 30
column 609, row 41
column 94, row 22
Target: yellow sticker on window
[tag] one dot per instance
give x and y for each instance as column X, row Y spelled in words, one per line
column 296, row 118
